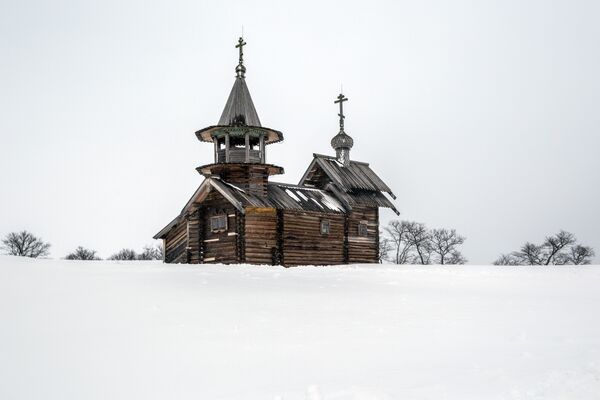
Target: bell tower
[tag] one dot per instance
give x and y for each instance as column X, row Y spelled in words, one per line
column 239, row 139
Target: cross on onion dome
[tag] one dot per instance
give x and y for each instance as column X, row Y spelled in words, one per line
column 341, row 99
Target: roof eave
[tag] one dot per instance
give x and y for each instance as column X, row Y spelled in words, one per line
column 206, row 134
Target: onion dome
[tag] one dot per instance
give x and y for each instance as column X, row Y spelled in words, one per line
column 342, row 140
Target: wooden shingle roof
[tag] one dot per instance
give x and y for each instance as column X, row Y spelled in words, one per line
column 279, row 195
column 239, row 109
column 354, row 184
column 356, row 176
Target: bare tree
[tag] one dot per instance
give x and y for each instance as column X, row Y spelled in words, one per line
column 81, row 253
column 530, row 254
column 553, row 245
column 385, row 247
column 397, row 231
column 456, row 258
column 581, row 255
column 151, row 253
column 559, row 249
column 124, row 255
column 418, row 237
column 24, row 244
column 444, row 243
column 413, row 243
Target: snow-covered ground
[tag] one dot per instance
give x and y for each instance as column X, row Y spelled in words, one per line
column 143, row 330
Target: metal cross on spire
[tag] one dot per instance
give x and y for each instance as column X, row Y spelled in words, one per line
column 240, row 69
column 341, row 99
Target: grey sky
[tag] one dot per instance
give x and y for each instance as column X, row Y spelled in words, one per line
column 481, row 116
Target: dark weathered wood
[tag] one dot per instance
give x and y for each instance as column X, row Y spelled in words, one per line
column 363, row 249
column 201, row 234
column 259, row 234
column 278, row 253
column 217, row 247
column 241, row 236
column 275, row 223
column 346, row 245
column 176, row 244
column 303, row 242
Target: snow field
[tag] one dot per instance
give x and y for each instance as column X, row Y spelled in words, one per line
column 133, row 330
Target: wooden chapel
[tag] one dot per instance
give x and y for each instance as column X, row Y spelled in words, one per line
column 238, row 215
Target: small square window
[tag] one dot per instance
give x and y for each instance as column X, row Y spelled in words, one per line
column 363, row 229
column 325, row 227
column 218, row 223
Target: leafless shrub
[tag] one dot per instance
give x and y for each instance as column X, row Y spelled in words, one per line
column 530, row 254
column 81, row 253
column 581, row 255
column 507, row 259
column 559, row 249
column 24, row 244
column 456, row 258
column 124, row 255
column 151, row 253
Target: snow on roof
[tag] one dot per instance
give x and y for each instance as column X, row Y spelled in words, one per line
column 279, row 195
column 292, row 195
column 301, row 197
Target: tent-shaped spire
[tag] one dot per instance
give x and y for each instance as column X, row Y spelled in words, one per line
column 239, row 109
column 239, row 112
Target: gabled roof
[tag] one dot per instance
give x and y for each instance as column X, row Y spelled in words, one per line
column 279, row 195
column 200, row 194
column 354, row 184
column 356, row 176
column 239, row 109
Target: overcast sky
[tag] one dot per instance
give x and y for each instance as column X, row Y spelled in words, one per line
column 480, row 115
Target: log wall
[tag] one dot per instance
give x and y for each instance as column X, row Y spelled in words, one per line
column 219, row 247
column 252, row 177
column 176, row 244
column 261, row 235
column 303, row 243
column 195, row 236
column 363, row 249
column 270, row 236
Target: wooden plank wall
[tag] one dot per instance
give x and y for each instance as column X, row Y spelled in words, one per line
column 260, row 235
column 363, row 249
column 318, row 178
column 303, row 242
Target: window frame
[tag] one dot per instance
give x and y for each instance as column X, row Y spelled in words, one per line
column 218, row 226
column 363, row 229
column 325, row 227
